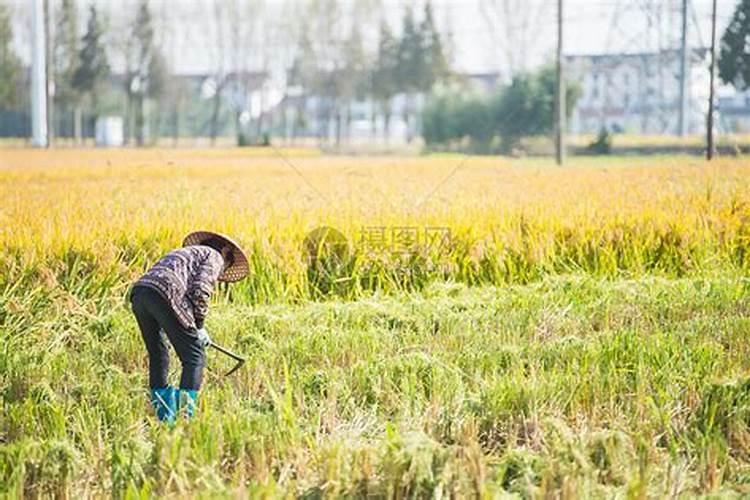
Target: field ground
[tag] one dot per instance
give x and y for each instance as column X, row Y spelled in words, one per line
column 543, row 145
column 581, row 332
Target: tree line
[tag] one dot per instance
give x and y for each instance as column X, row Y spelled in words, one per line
column 326, row 59
column 331, row 54
column 496, row 121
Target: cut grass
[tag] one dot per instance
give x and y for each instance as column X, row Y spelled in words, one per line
column 570, row 386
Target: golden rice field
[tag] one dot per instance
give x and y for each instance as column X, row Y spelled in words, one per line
column 508, row 220
column 494, row 327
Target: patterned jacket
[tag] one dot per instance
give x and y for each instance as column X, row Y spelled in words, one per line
column 185, row 278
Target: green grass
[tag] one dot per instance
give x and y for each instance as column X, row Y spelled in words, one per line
column 569, row 386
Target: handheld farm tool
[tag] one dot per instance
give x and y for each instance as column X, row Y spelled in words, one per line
column 239, row 359
column 207, row 342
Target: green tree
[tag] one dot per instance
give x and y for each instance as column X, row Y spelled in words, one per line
column 353, row 79
column 384, row 85
column 436, row 65
column 93, row 68
column 526, row 107
column 734, row 56
column 148, row 75
column 421, row 60
column 10, row 65
column 449, row 120
column 411, row 60
column 157, row 83
column 411, row 69
column 523, row 108
column 302, row 80
column 65, row 61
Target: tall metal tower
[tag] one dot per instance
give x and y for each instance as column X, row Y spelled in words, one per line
column 38, row 76
column 650, row 29
column 682, row 127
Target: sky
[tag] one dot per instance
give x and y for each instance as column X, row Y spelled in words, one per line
column 590, row 26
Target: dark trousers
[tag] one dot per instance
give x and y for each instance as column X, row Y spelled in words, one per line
column 154, row 314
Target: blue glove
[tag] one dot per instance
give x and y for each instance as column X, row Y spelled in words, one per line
column 203, row 338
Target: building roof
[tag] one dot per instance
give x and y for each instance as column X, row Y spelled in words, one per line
column 697, row 51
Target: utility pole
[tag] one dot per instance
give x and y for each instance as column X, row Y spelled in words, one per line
column 38, row 76
column 49, row 83
column 682, row 124
column 560, row 94
column 711, row 91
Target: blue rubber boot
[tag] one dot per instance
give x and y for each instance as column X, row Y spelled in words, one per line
column 165, row 403
column 187, row 401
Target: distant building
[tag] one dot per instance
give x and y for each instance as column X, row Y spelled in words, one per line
column 310, row 115
column 734, row 112
column 485, row 82
column 638, row 93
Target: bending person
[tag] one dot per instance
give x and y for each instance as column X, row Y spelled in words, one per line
column 170, row 302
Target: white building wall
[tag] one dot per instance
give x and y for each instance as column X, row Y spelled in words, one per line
column 636, row 93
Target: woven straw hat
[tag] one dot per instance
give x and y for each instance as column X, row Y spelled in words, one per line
column 239, row 267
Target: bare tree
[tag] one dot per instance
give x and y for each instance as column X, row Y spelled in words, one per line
column 326, row 18
column 214, row 88
column 514, row 29
column 252, row 46
column 174, row 32
column 283, row 35
column 236, row 37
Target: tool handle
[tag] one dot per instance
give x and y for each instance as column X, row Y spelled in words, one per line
column 240, row 360
column 227, row 352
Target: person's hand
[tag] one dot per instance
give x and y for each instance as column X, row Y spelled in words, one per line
column 203, row 337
